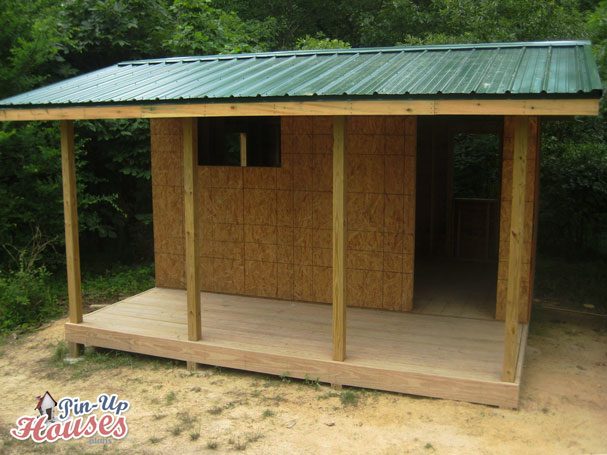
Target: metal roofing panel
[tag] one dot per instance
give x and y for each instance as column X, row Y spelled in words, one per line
column 535, row 69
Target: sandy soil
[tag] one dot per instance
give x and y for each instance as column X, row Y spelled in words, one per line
column 563, row 408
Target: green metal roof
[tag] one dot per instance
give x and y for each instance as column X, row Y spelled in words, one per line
column 556, row 69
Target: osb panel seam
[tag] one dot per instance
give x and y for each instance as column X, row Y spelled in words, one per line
column 267, row 231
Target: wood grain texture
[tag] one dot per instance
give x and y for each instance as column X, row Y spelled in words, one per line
column 521, row 126
column 70, row 214
column 317, row 108
column 435, row 356
column 268, row 231
column 191, row 198
column 339, row 239
column 530, row 220
column 409, row 215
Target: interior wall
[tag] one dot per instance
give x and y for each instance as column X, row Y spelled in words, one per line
column 433, row 167
column 267, row 231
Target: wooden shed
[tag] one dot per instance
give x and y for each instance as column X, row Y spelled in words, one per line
column 314, row 215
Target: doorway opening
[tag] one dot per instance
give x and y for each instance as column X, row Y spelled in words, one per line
column 457, row 216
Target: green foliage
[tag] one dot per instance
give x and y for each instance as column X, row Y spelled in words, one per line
column 573, row 216
column 28, row 295
column 476, row 163
column 26, row 299
column 117, row 283
column 320, row 42
column 199, row 28
column 95, row 360
column 349, row 398
column 575, row 281
column 42, row 41
column 597, row 24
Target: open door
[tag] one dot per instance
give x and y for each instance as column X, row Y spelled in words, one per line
column 457, row 215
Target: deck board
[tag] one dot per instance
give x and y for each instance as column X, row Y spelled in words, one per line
column 450, row 357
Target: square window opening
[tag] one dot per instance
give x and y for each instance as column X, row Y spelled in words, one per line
column 239, row 141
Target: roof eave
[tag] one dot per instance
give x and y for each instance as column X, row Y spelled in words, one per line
column 550, row 106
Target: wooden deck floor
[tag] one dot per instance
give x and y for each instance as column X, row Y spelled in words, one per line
column 437, row 356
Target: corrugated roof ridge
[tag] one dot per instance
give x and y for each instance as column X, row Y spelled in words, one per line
column 389, row 49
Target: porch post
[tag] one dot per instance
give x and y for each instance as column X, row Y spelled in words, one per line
column 70, row 215
column 191, row 201
column 521, row 130
column 339, row 239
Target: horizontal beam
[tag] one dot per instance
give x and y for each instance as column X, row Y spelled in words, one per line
column 349, row 372
column 562, row 107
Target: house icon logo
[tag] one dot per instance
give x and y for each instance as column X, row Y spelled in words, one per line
column 46, row 406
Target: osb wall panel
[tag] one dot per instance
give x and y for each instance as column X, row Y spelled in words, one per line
column 167, row 194
column 531, row 191
column 267, row 231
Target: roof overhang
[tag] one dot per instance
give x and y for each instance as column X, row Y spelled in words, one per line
column 544, row 107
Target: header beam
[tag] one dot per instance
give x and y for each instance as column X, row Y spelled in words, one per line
column 559, row 107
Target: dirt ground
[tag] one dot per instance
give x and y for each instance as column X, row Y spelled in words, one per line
column 563, row 407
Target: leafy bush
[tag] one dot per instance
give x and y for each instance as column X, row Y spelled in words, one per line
column 573, row 195
column 27, row 298
column 118, row 283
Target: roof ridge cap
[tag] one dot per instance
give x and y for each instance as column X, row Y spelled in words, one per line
column 353, row 50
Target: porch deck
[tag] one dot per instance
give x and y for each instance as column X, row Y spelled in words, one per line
column 437, row 356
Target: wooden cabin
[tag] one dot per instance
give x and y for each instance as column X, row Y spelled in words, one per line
column 315, row 215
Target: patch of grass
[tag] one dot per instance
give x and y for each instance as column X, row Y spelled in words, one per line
column 278, row 398
column 327, row 395
column 154, row 440
column 348, row 398
column 312, row 382
column 194, row 436
column 238, row 444
column 254, row 437
column 176, row 430
column 212, row 444
column 97, row 359
column 572, row 283
column 429, row 446
column 267, row 413
column 215, row 410
column 119, row 282
column 195, row 389
column 186, row 418
column 285, row 377
column 170, row 397
column 234, row 403
column 60, row 352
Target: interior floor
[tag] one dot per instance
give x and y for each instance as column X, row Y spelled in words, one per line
column 456, row 288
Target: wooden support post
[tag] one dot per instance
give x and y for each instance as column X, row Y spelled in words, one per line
column 70, row 214
column 516, row 245
column 191, row 201
column 339, row 239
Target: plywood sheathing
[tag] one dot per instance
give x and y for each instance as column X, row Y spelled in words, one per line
column 267, row 231
column 531, row 191
column 167, row 194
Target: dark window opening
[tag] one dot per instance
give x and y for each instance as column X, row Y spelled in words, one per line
column 239, row 141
